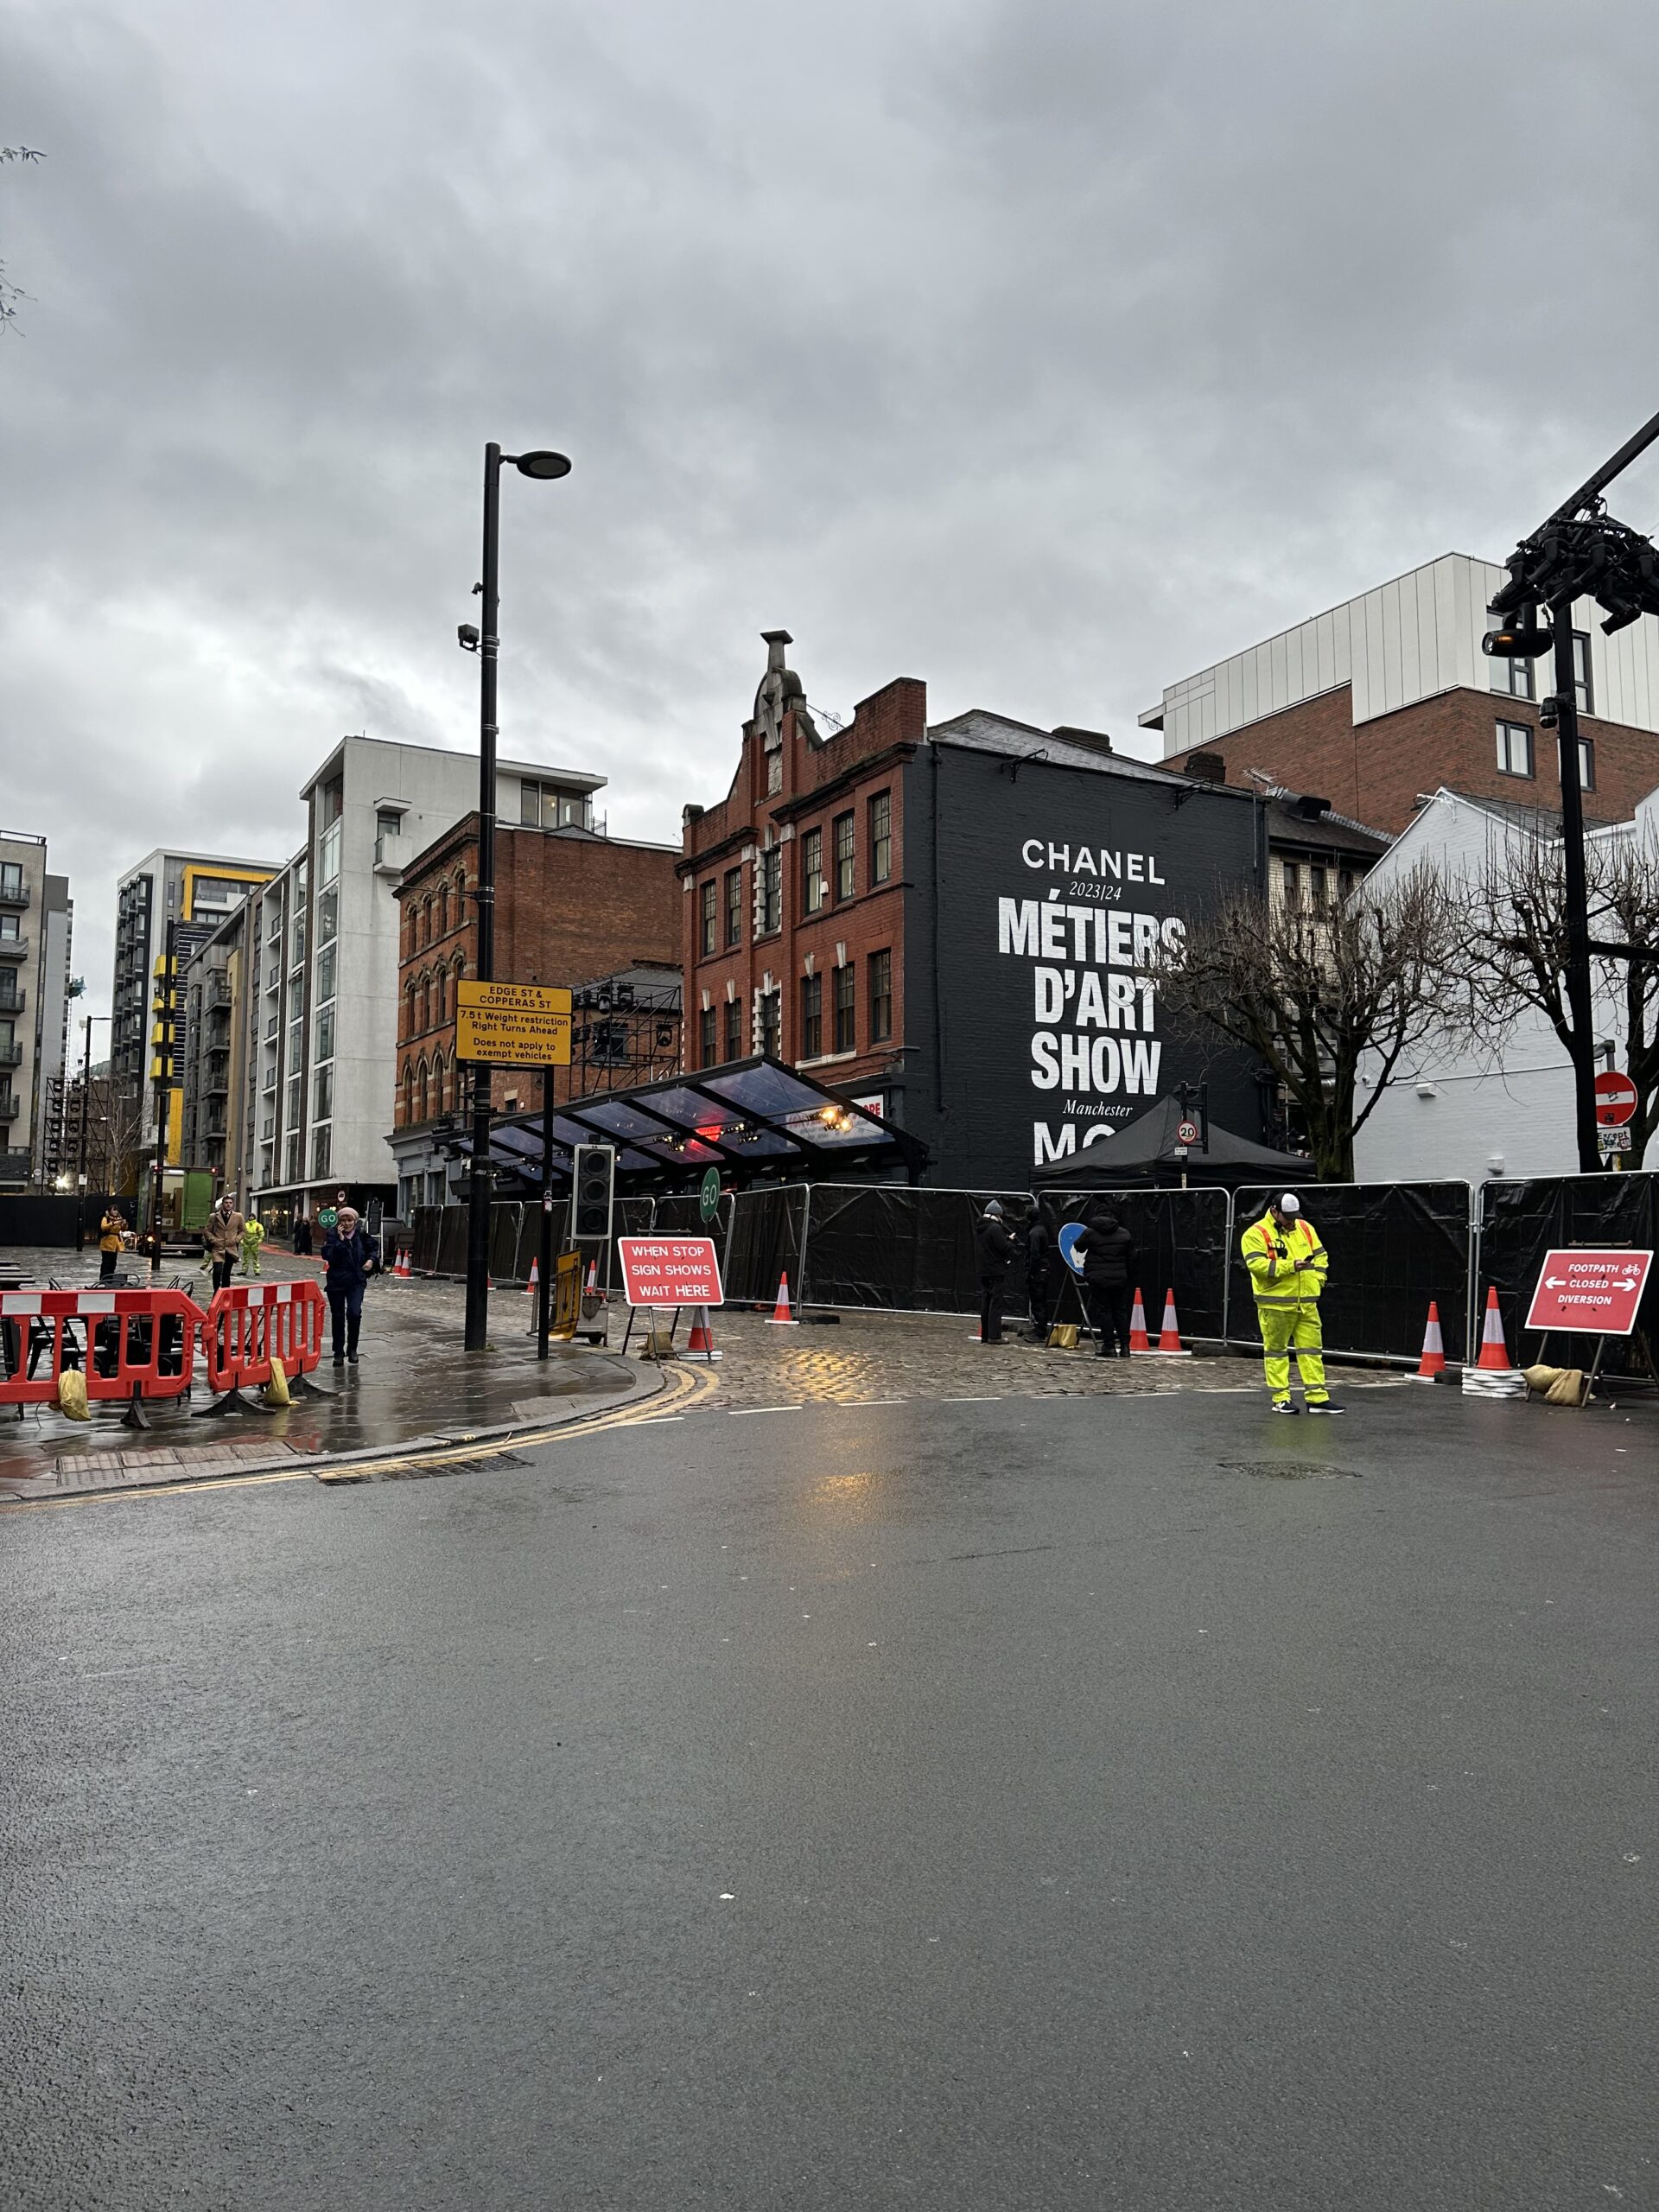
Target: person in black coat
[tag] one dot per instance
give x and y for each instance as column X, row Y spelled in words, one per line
column 303, row 1237
column 1107, row 1251
column 993, row 1249
column 1041, row 1260
column 351, row 1255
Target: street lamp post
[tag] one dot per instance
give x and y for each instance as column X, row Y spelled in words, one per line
column 86, row 1117
column 485, row 642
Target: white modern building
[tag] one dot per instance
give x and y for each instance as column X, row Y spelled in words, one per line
column 1453, row 1110
column 324, row 954
column 35, row 927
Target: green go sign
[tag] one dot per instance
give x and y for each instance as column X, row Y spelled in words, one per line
column 709, row 1195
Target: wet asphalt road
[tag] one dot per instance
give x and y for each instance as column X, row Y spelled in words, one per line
column 966, row 1806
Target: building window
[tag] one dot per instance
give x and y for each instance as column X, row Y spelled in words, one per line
column 1512, row 677
column 328, row 862
column 734, row 906
column 12, row 878
column 774, row 771
column 843, row 830
column 814, row 889
column 772, row 890
column 1292, row 884
column 320, row 1147
column 388, row 822
column 325, row 974
column 549, row 806
column 771, row 1023
column 880, row 997
column 880, row 838
column 1586, row 764
column 735, row 1029
column 443, row 910
column 322, row 1099
column 709, row 894
column 1316, row 893
column 293, row 1158
column 846, row 1018
column 326, row 1034
column 706, row 1038
column 1581, row 687
column 1515, row 749
column 811, row 1017
column 295, row 1100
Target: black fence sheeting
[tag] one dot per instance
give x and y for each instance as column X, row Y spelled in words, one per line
column 29, row 1217
column 1392, row 1247
column 906, row 1250
column 1180, row 1245
column 1519, row 1224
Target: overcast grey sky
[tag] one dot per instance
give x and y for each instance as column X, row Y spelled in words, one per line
column 1044, row 349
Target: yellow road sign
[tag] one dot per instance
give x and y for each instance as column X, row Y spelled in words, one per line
column 513, row 1025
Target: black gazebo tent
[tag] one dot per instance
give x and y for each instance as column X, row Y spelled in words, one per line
column 1146, row 1152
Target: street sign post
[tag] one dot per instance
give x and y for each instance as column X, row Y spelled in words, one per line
column 513, row 1024
column 1615, row 1100
column 1187, row 1133
column 1589, row 1293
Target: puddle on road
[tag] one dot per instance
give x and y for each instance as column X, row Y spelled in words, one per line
column 1288, row 1470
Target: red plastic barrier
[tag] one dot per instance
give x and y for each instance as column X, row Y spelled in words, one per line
column 128, row 1344
column 248, row 1325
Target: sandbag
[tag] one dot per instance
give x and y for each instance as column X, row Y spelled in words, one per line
column 72, row 1394
column 1063, row 1337
column 276, row 1389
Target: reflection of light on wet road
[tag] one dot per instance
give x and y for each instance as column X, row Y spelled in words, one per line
column 842, row 1492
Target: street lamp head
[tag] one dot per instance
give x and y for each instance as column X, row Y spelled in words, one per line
column 545, row 465
column 1523, row 638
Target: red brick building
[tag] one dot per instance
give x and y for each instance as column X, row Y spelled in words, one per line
column 792, row 931
column 1390, row 695
column 570, row 905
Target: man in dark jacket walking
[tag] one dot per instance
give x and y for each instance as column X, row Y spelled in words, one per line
column 1107, row 1251
column 1040, row 1257
column 993, row 1249
column 351, row 1257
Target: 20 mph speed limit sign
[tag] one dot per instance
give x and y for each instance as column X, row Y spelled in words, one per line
column 1615, row 1100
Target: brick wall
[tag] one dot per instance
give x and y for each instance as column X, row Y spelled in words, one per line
column 1375, row 771
column 822, row 780
column 567, row 910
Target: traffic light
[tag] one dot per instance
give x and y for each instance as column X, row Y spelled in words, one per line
column 592, row 1177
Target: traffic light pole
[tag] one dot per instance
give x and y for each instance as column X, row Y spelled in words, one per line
column 544, row 1287
column 478, row 1203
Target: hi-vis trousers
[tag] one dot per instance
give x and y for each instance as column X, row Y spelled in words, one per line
column 1286, row 1328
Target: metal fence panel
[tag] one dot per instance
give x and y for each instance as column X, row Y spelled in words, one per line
column 1392, row 1247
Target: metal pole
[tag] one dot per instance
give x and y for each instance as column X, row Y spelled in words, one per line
column 544, row 1300
column 478, row 1213
column 80, row 1167
column 1577, row 973
column 163, row 1090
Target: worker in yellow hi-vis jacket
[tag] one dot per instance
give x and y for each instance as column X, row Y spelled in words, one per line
column 1287, row 1266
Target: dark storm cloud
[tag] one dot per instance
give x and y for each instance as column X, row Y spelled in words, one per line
column 1046, row 351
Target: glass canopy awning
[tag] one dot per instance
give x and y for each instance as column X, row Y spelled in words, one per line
column 750, row 1119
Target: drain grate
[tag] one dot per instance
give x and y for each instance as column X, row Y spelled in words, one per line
column 1288, row 1470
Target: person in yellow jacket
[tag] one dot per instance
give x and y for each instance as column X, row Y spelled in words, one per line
column 253, row 1236
column 110, row 1231
column 1287, row 1266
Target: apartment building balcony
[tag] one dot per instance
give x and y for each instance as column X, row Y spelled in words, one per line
column 10, row 1107
column 15, row 1000
column 11, row 1056
column 392, row 853
column 14, row 948
column 13, row 895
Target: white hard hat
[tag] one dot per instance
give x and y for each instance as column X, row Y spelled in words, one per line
column 1290, row 1203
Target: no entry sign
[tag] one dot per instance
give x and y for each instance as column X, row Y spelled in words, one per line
column 1595, row 1293
column 1615, row 1100
column 670, row 1271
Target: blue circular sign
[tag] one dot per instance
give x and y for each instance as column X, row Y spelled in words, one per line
column 1068, row 1244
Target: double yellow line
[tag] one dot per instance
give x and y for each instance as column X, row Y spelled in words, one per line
column 682, row 1387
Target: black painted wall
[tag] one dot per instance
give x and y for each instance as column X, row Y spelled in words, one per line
column 1025, row 1031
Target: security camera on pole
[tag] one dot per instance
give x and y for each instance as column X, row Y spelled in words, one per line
column 485, row 642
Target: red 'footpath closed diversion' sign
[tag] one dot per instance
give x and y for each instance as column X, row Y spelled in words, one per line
column 671, row 1270
column 1595, row 1292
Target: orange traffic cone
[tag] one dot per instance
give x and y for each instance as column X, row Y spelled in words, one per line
column 535, row 1278
column 1494, row 1352
column 1433, row 1362
column 1169, row 1343
column 591, row 1287
column 402, row 1270
column 700, row 1340
column 780, row 1316
column 1139, row 1341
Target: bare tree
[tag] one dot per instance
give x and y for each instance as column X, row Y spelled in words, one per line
column 11, row 293
column 1314, row 993
column 1515, row 951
